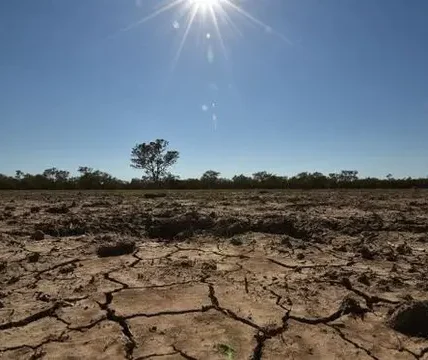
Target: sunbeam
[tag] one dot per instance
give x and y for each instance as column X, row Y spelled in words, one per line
column 217, row 29
column 256, row 21
column 154, row 14
column 217, row 12
column 186, row 33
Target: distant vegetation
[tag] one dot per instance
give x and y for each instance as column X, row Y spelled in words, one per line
column 89, row 178
column 154, row 159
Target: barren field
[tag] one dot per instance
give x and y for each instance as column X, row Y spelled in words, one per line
column 214, row 275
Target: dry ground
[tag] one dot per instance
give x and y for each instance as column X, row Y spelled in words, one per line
column 214, row 275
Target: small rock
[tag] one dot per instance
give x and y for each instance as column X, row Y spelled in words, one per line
column 411, row 319
column 38, row 235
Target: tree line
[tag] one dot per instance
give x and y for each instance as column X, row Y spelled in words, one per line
column 155, row 160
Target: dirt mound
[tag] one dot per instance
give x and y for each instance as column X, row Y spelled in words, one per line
column 280, row 225
column 411, row 319
column 112, row 245
column 68, row 227
column 230, row 226
column 168, row 228
column 60, row 209
column 154, row 195
column 38, row 235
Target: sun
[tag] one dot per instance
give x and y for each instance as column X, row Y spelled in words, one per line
column 217, row 12
column 205, row 2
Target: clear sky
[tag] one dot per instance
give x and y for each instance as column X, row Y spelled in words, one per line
column 299, row 85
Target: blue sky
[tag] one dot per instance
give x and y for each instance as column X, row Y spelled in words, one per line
column 348, row 90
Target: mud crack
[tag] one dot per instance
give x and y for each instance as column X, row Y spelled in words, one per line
column 348, row 306
column 342, row 335
column 130, row 342
column 299, row 267
column 263, row 333
column 369, row 299
column 34, row 317
column 183, row 354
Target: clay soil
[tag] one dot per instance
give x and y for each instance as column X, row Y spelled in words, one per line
column 213, row 275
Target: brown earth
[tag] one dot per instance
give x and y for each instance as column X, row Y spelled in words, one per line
column 214, row 275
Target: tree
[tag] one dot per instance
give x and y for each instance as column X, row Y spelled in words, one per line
column 19, row 174
column 348, row 175
column 210, row 177
column 154, row 159
column 242, row 181
column 261, row 176
column 84, row 170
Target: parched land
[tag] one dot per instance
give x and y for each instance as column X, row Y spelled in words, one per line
column 214, row 275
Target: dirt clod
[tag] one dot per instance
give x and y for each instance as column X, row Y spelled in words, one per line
column 236, row 241
column 366, row 252
column 61, row 209
column 411, row 319
column 155, row 195
column 300, row 256
column 33, row 257
column 404, row 249
column 38, row 235
column 352, row 306
column 120, row 247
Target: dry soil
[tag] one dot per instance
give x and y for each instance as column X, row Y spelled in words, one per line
column 214, row 275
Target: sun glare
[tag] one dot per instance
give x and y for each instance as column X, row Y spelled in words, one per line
column 216, row 12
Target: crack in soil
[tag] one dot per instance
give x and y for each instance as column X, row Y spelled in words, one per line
column 342, row 335
column 59, row 339
column 348, row 306
column 338, row 244
column 151, row 356
column 130, row 343
column 300, row 267
column 166, row 312
column 72, row 261
column 183, row 354
column 33, row 317
column 369, row 299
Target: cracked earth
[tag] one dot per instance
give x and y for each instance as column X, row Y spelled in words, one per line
column 213, row 275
